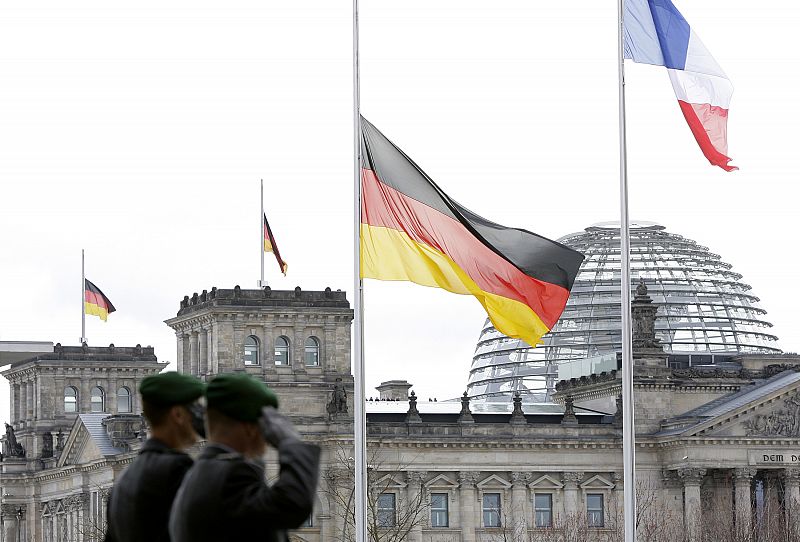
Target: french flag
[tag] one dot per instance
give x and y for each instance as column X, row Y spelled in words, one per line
column 656, row 33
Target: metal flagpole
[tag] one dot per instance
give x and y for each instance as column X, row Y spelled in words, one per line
column 360, row 422
column 262, row 282
column 83, row 298
column 628, row 430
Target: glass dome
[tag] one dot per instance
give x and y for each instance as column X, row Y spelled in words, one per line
column 705, row 313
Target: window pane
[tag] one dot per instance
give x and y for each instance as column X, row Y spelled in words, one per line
column 543, row 505
column 70, row 399
column 491, row 510
column 594, row 509
column 97, row 400
column 123, row 400
column 386, row 510
column 281, row 351
column 312, row 352
column 251, row 351
column 439, row 510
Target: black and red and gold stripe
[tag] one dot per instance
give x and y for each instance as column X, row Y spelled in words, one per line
column 411, row 230
column 271, row 246
column 95, row 301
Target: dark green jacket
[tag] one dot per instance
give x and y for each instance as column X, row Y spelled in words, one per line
column 225, row 497
column 142, row 497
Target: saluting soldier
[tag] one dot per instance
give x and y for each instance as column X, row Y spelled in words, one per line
column 141, row 499
column 225, row 495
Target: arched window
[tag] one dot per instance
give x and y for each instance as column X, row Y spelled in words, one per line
column 98, row 401
column 281, row 351
column 70, row 399
column 312, row 352
column 251, row 350
column 123, row 400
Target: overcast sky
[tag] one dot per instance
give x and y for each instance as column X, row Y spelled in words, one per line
column 139, row 131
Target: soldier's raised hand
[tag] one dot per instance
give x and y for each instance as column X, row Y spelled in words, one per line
column 276, row 428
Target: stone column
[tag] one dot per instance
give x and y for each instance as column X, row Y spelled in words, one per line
column 328, row 347
column 30, row 399
column 692, row 504
column 14, row 413
column 180, row 337
column 12, row 513
column 571, row 481
column 299, row 349
column 210, row 350
column 519, row 504
column 23, row 401
column 791, row 484
column 84, row 392
column 339, row 482
column 194, row 353
column 202, row 365
column 112, row 404
column 619, row 497
column 416, row 502
column 469, row 519
column 37, row 398
column 742, row 481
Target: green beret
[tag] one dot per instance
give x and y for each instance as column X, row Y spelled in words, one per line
column 239, row 396
column 170, row 388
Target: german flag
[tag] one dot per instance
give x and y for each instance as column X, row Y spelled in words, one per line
column 95, row 301
column 411, row 230
column 270, row 246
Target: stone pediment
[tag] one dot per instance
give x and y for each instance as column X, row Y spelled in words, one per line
column 441, row 482
column 79, row 447
column 768, row 410
column 493, row 481
column 597, row 482
column 545, row 482
column 388, row 481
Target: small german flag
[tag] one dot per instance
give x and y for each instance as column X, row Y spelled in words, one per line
column 411, row 230
column 95, row 301
column 270, row 246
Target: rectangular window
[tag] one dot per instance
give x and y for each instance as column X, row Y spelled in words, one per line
column 594, row 509
column 386, row 510
column 94, row 506
column 543, row 507
column 439, row 510
column 491, row 509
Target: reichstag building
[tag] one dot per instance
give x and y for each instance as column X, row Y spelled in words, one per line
column 533, row 448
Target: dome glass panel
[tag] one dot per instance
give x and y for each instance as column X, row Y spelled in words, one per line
column 705, row 313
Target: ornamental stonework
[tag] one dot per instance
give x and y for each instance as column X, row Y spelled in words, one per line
column 782, row 422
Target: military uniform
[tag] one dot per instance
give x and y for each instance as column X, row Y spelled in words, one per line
column 142, row 497
column 138, row 509
column 225, row 497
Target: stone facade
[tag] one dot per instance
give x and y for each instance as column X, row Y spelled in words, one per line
column 447, row 471
column 56, row 478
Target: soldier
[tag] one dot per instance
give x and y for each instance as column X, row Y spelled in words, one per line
column 141, row 499
column 225, row 495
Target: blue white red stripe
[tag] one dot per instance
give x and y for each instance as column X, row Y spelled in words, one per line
column 656, row 33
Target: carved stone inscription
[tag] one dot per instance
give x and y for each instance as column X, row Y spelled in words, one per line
column 774, row 457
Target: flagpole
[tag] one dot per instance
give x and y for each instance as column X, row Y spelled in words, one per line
column 360, row 421
column 262, row 283
column 83, row 298
column 628, row 429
